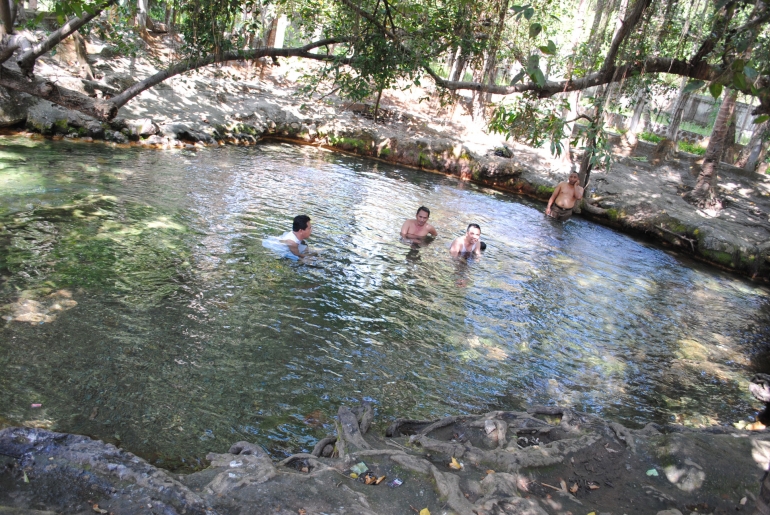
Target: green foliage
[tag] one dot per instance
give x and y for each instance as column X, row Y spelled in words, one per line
column 650, row 137
column 692, row 148
column 532, row 121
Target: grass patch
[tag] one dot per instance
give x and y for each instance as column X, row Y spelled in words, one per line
column 652, row 138
column 692, row 148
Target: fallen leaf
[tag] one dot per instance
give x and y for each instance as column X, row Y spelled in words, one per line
column 592, row 513
column 755, row 426
column 490, row 471
column 573, row 488
column 610, row 449
column 379, row 480
column 26, row 479
column 354, row 475
column 563, row 485
column 97, row 509
column 424, row 511
column 455, row 464
column 305, row 469
column 743, row 501
column 593, row 486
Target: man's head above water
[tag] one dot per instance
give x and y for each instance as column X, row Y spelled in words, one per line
column 301, row 226
column 423, row 213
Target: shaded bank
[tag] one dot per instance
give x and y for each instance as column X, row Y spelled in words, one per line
column 545, row 460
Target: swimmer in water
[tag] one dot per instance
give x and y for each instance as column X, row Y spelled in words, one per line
column 467, row 245
column 419, row 226
column 295, row 239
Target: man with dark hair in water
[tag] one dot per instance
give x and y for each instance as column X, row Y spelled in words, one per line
column 563, row 199
column 419, row 226
column 294, row 239
column 469, row 243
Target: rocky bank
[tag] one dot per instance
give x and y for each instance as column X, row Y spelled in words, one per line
column 546, row 460
column 243, row 103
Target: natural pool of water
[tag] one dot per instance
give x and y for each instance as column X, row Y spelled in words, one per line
column 188, row 335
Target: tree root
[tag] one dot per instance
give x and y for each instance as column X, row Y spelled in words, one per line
column 319, row 447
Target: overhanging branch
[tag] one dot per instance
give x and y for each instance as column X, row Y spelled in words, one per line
column 26, row 61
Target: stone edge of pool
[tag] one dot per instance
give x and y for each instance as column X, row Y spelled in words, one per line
column 539, row 461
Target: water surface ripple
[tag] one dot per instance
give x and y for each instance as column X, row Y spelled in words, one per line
column 189, row 335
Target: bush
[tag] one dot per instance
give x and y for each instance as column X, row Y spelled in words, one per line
column 692, row 148
column 652, row 138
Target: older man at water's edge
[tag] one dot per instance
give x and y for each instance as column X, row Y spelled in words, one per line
column 563, row 199
column 419, row 226
column 469, row 244
column 295, row 239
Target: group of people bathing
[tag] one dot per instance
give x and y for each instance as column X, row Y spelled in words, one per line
column 560, row 205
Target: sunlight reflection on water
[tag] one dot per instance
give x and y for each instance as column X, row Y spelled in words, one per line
column 189, row 335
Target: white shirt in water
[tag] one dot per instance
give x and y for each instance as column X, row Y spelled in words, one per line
column 278, row 245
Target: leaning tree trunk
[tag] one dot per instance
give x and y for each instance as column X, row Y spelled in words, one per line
column 704, row 193
column 755, row 151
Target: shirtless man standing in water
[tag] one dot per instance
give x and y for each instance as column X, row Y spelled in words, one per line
column 469, row 244
column 564, row 197
column 419, row 227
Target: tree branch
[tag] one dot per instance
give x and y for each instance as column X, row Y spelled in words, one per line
column 625, row 29
column 722, row 20
column 26, row 61
column 193, row 64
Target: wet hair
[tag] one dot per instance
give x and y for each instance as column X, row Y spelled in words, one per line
column 423, row 208
column 483, row 245
column 473, row 225
column 300, row 223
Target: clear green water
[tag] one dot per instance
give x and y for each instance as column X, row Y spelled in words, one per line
column 188, row 335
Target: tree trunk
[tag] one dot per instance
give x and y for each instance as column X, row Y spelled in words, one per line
column 704, row 193
column 80, row 50
column 6, row 16
column 569, row 114
column 755, row 151
column 488, row 73
column 641, row 103
column 458, row 70
column 141, row 16
column 729, row 156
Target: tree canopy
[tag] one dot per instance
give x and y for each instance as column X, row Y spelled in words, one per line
column 368, row 45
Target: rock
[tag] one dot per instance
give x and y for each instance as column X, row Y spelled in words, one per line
column 14, row 106
column 154, row 141
column 49, row 119
column 115, row 136
column 142, row 127
column 183, row 132
column 672, row 511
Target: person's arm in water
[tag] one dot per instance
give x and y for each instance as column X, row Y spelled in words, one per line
column 551, row 200
column 405, row 228
column 456, row 248
column 432, row 231
column 293, row 248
